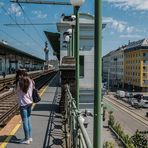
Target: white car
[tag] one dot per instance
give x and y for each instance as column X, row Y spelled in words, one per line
column 134, row 102
column 144, row 102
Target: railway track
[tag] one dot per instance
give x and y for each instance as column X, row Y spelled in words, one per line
column 9, row 102
column 9, row 81
column 128, row 110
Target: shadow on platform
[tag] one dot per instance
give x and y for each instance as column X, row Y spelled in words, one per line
column 47, row 107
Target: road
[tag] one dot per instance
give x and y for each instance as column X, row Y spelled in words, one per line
column 129, row 123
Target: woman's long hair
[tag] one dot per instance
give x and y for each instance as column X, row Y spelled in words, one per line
column 24, row 84
column 23, row 80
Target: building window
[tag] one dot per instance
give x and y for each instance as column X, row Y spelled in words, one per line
column 81, row 66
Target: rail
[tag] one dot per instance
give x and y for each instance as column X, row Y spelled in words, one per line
column 9, row 103
column 78, row 135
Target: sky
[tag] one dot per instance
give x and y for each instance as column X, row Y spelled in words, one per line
column 126, row 20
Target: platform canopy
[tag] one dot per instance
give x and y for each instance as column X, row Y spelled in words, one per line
column 54, row 40
column 7, row 49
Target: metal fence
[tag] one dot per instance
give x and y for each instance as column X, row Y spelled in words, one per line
column 78, row 136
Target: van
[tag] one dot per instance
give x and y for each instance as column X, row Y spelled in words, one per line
column 120, row 94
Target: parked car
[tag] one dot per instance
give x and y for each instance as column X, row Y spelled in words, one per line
column 134, row 102
column 144, row 102
column 139, row 100
column 120, row 94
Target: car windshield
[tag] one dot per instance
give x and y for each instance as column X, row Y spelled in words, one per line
column 145, row 97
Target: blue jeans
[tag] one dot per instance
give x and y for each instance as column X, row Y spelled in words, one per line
column 25, row 112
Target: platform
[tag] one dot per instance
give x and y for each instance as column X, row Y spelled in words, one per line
column 47, row 123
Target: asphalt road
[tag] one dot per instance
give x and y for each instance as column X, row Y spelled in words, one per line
column 128, row 123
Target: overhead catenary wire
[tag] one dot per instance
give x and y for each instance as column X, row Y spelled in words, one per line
column 30, row 21
column 21, row 27
column 28, row 24
column 11, row 37
column 41, row 2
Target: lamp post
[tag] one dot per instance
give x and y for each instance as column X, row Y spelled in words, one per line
column 77, row 4
column 98, row 105
column 115, row 59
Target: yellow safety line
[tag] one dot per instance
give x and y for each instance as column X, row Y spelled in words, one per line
column 3, row 145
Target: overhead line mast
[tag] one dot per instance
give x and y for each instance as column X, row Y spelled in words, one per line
column 40, row 2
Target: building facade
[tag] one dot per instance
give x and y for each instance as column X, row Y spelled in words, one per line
column 113, row 68
column 12, row 59
column 136, row 65
column 86, row 50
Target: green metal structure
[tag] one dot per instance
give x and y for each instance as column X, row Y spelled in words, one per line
column 78, row 134
column 98, row 105
column 77, row 38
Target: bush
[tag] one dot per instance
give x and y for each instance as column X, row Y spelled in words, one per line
column 139, row 140
column 108, row 145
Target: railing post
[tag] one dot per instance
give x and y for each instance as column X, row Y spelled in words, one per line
column 67, row 69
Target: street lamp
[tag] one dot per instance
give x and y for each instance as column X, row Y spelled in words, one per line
column 115, row 59
column 77, row 4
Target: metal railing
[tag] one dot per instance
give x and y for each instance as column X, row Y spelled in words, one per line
column 78, row 136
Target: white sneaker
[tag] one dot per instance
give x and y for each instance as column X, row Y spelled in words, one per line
column 25, row 141
column 30, row 139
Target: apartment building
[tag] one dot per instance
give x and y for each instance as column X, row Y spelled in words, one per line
column 113, row 67
column 136, row 65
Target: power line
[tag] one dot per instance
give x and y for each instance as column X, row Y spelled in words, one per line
column 26, row 24
column 41, row 2
column 20, row 26
column 11, row 37
column 30, row 22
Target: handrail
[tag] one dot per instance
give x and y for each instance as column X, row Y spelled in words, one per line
column 78, row 135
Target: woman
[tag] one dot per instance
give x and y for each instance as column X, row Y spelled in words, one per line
column 24, row 91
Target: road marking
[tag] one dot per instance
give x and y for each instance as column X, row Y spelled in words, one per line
column 133, row 115
column 3, row 145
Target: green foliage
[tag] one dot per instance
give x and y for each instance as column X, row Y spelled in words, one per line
column 117, row 128
column 139, row 140
column 108, row 144
column 111, row 120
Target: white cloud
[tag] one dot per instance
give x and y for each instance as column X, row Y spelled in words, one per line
column 130, row 36
column 39, row 14
column 126, row 4
column 15, row 9
column 119, row 26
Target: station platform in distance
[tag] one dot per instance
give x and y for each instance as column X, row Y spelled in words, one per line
column 47, row 123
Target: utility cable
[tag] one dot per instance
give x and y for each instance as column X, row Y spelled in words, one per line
column 11, row 37
column 20, row 26
column 30, row 21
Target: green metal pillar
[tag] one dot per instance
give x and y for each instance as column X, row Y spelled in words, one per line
column 77, row 55
column 75, row 37
column 108, row 79
column 97, row 139
column 73, row 40
column 70, row 47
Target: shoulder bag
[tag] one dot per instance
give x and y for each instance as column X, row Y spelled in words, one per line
column 35, row 96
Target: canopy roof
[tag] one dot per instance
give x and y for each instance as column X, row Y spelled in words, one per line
column 5, row 49
column 54, row 39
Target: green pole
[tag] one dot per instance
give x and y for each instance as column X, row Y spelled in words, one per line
column 77, row 55
column 75, row 37
column 97, row 139
column 73, row 41
column 108, row 79
column 70, row 47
